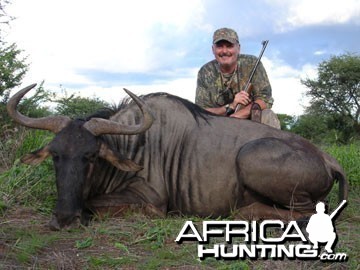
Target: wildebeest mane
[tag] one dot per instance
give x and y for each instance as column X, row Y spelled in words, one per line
column 104, row 113
column 196, row 111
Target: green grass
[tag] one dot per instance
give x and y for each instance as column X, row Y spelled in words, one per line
column 29, row 185
column 140, row 242
column 99, row 262
column 135, row 241
column 32, row 186
column 29, row 244
column 86, row 243
column 349, row 158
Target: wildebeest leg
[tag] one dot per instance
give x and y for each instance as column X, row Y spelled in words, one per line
column 260, row 211
column 290, row 174
column 120, row 204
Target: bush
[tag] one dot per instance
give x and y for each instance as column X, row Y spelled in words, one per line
column 12, row 135
column 79, row 107
column 324, row 129
column 26, row 185
column 349, row 158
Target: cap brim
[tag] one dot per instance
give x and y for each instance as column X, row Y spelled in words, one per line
column 233, row 41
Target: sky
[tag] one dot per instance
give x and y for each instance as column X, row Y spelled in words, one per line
column 96, row 48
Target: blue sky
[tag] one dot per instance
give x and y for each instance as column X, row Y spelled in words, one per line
column 99, row 47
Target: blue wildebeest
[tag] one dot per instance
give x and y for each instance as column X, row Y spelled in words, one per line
column 165, row 154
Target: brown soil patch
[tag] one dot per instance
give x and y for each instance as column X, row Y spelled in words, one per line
column 134, row 242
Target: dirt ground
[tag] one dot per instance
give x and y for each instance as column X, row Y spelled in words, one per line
column 26, row 242
column 57, row 250
column 134, row 242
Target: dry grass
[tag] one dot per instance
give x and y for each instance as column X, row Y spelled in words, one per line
column 133, row 242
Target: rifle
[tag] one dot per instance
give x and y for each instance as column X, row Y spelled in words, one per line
column 248, row 83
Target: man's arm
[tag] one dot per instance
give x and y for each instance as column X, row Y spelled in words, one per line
column 244, row 113
column 218, row 111
column 203, row 96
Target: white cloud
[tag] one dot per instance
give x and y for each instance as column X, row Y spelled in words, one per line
column 63, row 36
column 320, row 52
column 299, row 13
column 184, row 88
column 307, row 12
column 287, row 90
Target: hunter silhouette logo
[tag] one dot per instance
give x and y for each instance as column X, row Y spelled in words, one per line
column 320, row 227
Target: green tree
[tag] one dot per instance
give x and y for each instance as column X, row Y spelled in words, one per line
column 12, row 135
column 4, row 17
column 317, row 128
column 336, row 92
column 32, row 106
column 79, row 107
column 12, row 69
column 286, row 121
column 36, row 105
column 12, row 64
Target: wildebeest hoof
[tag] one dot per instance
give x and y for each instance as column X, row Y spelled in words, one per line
column 54, row 225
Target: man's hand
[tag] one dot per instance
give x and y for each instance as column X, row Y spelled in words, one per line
column 243, row 113
column 242, row 98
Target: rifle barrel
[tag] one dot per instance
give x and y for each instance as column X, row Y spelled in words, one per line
column 264, row 44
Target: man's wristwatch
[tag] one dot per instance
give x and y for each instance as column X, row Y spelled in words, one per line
column 229, row 110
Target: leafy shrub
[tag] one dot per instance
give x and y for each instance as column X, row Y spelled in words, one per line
column 29, row 185
column 324, row 129
column 79, row 107
column 349, row 158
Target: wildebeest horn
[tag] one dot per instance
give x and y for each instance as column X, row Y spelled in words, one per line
column 98, row 126
column 51, row 123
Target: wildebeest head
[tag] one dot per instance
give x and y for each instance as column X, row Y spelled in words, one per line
column 75, row 149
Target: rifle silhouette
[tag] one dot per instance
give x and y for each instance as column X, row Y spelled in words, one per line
column 342, row 204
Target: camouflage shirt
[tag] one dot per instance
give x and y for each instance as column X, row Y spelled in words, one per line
column 215, row 89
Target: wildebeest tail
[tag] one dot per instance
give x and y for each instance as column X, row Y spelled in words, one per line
column 338, row 173
column 343, row 185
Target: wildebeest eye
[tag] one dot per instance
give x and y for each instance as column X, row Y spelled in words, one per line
column 90, row 156
column 55, row 155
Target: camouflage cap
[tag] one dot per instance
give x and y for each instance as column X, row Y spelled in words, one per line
column 225, row 34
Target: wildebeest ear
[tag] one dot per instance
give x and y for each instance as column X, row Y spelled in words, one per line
column 36, row 157
column 118, row 160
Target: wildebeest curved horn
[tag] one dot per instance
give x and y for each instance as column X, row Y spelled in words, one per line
column 51, row 123
column 98, row 126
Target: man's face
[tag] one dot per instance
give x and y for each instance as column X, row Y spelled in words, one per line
column 226, row 54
